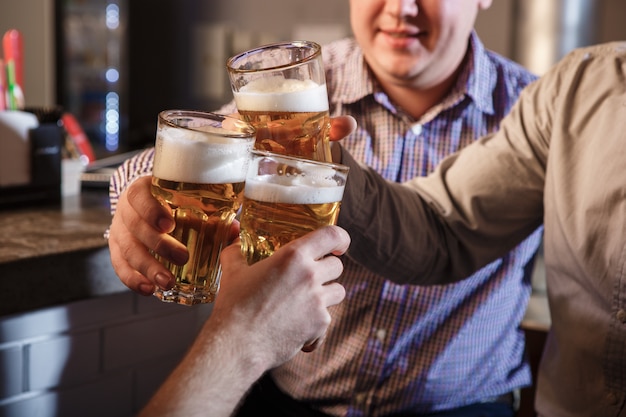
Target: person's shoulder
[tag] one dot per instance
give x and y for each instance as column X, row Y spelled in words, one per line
column 510, row 68
column 598, row 53
column 507, row 73
column 339, row 49
column 594, row 72
column 342, row 60
column 594, row 69
column 594, row 61
column 607, row 49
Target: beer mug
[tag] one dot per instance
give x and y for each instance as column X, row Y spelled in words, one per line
column 200, row 165
column 285, row 198
column 281, row 90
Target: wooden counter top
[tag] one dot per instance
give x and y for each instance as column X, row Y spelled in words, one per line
column 78, row 224
column 51, row 255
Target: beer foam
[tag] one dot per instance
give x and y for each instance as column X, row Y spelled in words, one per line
column 280, row 94
column 266, row 188
column 186, row 156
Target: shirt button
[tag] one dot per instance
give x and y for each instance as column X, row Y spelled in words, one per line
column 381, row 334
column 621, row 315
column 611, row 398
column 416, row 128
column 360, row 399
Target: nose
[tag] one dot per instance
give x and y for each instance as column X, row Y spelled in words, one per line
column 401, row 8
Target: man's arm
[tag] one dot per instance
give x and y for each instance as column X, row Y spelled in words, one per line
column 477, row 205
column 263, row 316
column 140, row 223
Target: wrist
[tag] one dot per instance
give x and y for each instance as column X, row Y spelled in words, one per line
column 236, row 340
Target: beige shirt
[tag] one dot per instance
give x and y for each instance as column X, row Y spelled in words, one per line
column 560, row 159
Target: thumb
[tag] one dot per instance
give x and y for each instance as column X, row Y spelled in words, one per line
column 341, row 126
column 231, row 258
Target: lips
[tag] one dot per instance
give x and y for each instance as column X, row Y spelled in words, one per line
column 401, row 39
column 400, row 35
column 402, row 30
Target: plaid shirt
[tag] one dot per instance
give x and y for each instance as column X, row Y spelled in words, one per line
column 393, row 348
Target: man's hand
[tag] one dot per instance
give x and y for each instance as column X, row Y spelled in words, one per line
column 141, row 225
column 280, row 303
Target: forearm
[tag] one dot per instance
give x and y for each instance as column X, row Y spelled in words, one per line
column 393, row 232
column 211, row 380
column 442, row 228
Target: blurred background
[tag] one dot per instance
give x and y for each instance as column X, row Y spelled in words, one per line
column 115, row 64
column 66, row 325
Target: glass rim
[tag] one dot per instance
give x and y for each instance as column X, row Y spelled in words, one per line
column 316, row 47
column 333, row 165
column 248, row 131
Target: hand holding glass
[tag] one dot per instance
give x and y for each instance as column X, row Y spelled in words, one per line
column 200, row 165
column 285, row 198
column 281, row 90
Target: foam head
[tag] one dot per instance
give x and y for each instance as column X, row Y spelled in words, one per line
column 200, row 157
column 281, row 94
column 314, row 186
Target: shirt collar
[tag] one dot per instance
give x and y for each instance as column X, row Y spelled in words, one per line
column 477, row 78
column 361, row 82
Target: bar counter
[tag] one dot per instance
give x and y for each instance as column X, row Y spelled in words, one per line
column 50, row 255
column 53, row 255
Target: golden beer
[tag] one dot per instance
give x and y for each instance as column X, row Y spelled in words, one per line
column 203, row 214
column 291, row 133
column 285, row 198
column 268, row 226
column 281, row 90
column 199, row 172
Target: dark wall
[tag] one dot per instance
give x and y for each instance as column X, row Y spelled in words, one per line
column 161, row 48
column 160, row 53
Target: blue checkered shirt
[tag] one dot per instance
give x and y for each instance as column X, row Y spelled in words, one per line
column 400, row 348
column 397, row 348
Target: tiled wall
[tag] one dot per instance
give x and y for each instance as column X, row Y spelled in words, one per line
column 99, row 357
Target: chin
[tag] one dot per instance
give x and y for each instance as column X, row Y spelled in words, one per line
column 400, row 68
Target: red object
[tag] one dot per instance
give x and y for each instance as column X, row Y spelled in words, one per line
column 3, row 86
column 12, row 45
column 76, row 133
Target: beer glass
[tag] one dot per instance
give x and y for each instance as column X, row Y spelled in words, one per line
column 281, row 89
column 200, row 165
column 285, row 198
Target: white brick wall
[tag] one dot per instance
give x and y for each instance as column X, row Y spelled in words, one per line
column 99, row 357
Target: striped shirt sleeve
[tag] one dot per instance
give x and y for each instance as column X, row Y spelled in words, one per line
column 130, row 170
